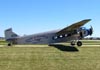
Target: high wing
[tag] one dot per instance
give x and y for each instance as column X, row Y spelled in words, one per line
column 73, row 27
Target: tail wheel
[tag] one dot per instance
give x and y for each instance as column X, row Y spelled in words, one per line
column 79, row 43
column 9, row 44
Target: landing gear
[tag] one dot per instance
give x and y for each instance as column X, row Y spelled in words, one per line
column 73, row 43
column 79, row 43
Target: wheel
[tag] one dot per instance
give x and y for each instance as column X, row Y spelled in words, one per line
column 9, row 44
column 73, row 43
column 79, row 43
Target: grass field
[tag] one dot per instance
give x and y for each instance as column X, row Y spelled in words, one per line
column 56, row 57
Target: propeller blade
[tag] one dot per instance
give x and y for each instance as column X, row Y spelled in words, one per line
column 91, row 30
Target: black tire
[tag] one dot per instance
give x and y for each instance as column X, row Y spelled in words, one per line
column 79, row 43
column 9, row 44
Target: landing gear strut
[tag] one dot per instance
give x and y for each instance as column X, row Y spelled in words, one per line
column 73, row 43
column 79, row 43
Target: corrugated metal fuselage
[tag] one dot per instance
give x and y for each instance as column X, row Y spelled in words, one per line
column 44, row 38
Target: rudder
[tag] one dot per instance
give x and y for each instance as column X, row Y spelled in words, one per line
column 9, row 34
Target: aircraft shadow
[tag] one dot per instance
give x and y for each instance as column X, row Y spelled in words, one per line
column 65, row 48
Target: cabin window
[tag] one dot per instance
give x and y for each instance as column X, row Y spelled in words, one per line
column 57, row 37
column 66, row 35
column 61, row 36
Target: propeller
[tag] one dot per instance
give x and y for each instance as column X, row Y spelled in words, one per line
column 91, row 30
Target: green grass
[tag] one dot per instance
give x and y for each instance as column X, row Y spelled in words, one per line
column 3, row 42
column 43, row 57
column 91, row 42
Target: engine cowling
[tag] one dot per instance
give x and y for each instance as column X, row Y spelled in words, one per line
column 85, row 32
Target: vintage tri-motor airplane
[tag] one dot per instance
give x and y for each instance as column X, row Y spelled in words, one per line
column 73, row 33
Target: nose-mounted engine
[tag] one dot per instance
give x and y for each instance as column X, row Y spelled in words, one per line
column 85, row 32
column 91, row 30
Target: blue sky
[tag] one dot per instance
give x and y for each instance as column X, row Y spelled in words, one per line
column 34, row 16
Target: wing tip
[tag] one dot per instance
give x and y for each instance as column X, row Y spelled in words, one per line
column 88, row 19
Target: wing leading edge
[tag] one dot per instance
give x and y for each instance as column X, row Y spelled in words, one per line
column 73, row 27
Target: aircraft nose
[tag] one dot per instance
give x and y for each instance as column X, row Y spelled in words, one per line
column 91, row 30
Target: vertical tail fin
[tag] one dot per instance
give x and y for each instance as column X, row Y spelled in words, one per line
column 9, row 34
